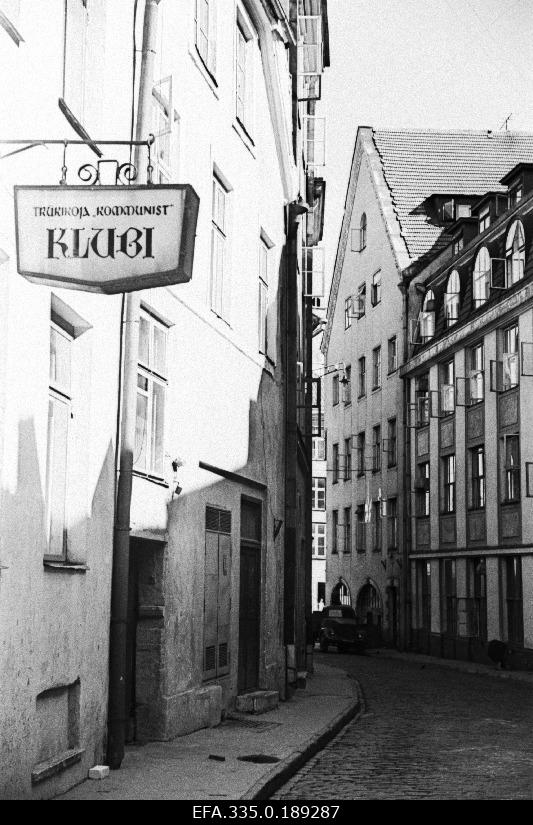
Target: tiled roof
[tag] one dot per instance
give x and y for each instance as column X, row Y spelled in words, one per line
column 420, row 163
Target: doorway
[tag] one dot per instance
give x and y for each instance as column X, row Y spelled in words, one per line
column 250, row 596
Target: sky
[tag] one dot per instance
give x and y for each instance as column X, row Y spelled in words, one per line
column 436, row 64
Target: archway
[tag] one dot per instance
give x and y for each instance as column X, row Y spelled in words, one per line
column 369, row 607
column 341, row 593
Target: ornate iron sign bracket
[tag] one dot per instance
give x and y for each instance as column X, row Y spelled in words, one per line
column 109, row 172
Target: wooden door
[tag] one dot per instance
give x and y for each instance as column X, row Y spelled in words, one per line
column 249, row 618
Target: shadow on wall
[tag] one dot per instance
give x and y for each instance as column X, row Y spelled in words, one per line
column 55, row 629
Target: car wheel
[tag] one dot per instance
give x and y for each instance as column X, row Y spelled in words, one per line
column 323, row 646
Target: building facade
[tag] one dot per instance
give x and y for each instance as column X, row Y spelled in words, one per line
column 468, row 384
column 220, row 557
column 414, row 198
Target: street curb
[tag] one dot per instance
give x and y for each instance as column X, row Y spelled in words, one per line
column 282, row 772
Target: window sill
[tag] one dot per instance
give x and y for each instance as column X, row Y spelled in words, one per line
column 360, row 397
column 510, row 502
column 204, row 71
column 244, row 135
column 376, row 389
column 153, row 479
column 50, row 767
column 392, row 466
column 65, row 565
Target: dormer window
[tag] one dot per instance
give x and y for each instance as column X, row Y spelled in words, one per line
column 484, row 219
column 451, row 299
column 427, row 317
column 481, row 277
column 458, row 244
column 448, row 211
column 515, row 193
column 515, row 253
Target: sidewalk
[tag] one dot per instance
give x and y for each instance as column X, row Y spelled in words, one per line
column 454, row 664
column 185, row 768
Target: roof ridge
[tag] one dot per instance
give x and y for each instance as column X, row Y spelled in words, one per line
column 464, row 131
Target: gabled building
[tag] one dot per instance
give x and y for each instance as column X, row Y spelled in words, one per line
column 413, row 195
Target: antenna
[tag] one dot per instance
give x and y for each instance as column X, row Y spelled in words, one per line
column 505, row 124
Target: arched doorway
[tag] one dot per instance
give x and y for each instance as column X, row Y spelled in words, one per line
column 341, row 593
column 369, row 606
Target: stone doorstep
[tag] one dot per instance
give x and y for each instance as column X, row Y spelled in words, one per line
column 258, row 701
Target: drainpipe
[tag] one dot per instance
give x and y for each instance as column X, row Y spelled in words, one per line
column 117, row 719
column 405, row 589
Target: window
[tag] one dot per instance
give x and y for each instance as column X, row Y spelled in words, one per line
column 310, row 57
column 451, row 299
column 334, row 531
column 72, row 100
column 219, row 240
column 376, row 448
column 448, row 592
column 481, row 277
column 427, row 317
column 484, row 219
column 163, row 118
column 362, row 377
column 515, row 253
column 392, row 443
column 458, row 244
column 361, row 529
column 423, row 588
column 448, row 484
column 376, row 368
column 376, row 526
column 244, row 74
column 510, row 357
column 151, row 393
column 513, row 613
column 59, row 416
column 476, row 374
column 335, row 463
column 347, row 530
column 392, row 355
column 448, row 211
column 422, row 489
column 319, row 493
column 348, row 312
column 447, row 387
column 262, row 311
column 315, row 140
column 335, row 385
column 362, row 232
column 347, row 383
column 319, row 449
column 515, row 194
column 477, row 478
column 422, row 399
column 476, row 605
column 361, row 446
column 375, row 289
column 205, row 32
column 392, row 524
column 511, row 468
column 314, row 272
column 347, row 459
column 319, row 539
column 361, row 300
column 9, row 19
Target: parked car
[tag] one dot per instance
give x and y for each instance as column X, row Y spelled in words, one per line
column 339, row 627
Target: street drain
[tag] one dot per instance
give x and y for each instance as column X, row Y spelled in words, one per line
column 258, row 758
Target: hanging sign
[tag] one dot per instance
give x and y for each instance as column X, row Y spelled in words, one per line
column 106, row 238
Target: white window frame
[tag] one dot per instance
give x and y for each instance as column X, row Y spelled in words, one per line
column 510, row 357
column 427, row 318
column 376, row 368
column 315, row 140
column 205, row 31
column 220, row 282
column 375, row 288
column 59, row 397
column 319, row 539
column 318, row 493
column 515, row 253
column 481, row 278
column 245, row 43
column 392, row 354
column 452, row 299
column 147, row 461
column 164, row 129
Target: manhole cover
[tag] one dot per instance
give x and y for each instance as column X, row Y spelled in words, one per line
column 258, row 758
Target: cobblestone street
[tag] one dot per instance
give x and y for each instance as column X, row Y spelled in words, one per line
column 426, row 733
